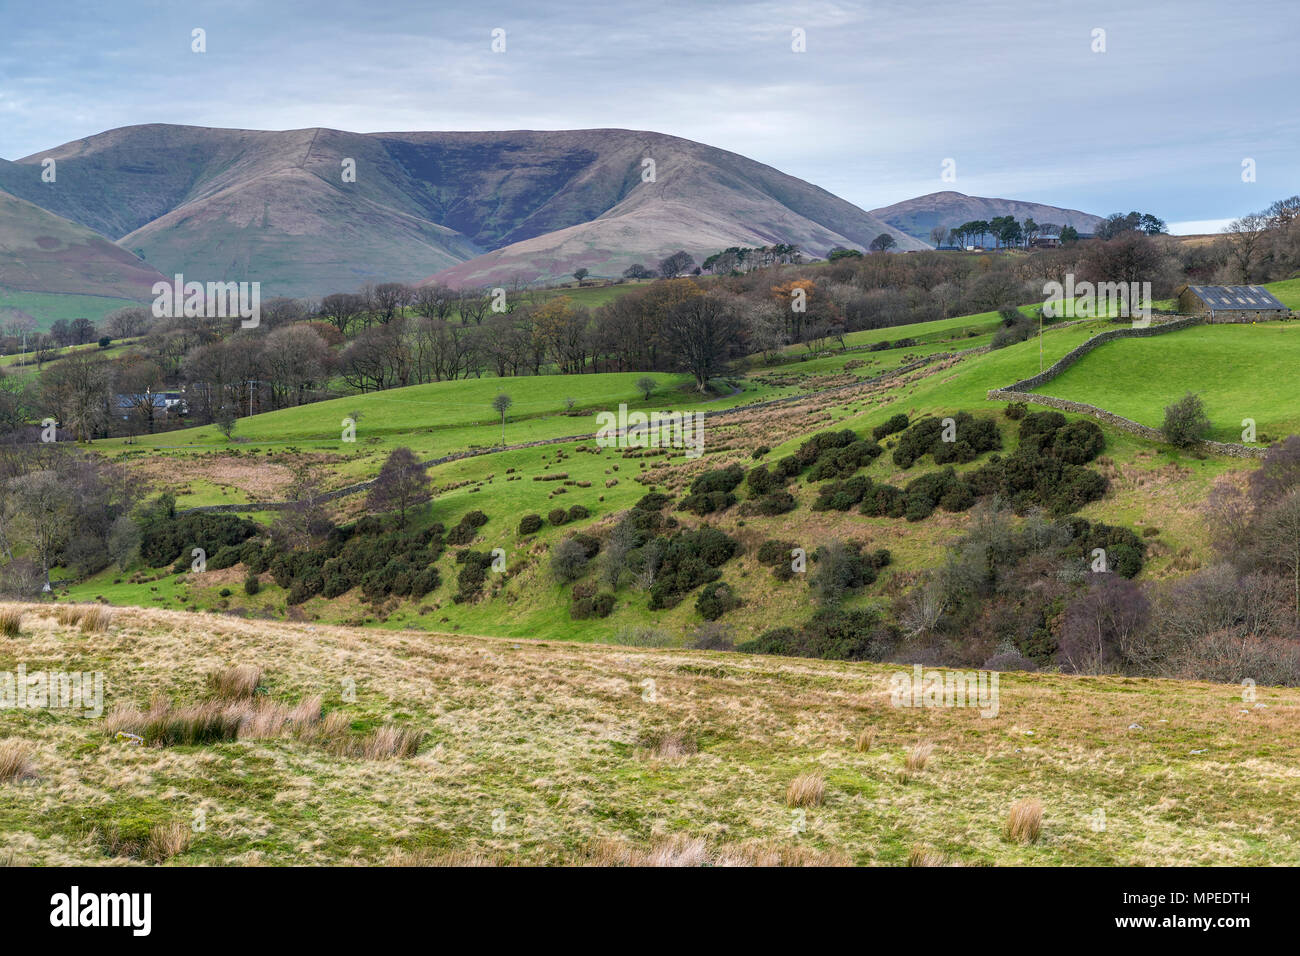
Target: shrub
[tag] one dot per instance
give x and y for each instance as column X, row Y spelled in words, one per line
column 530, row 524
column 712, row 637
column 1078, row 442
column 689, row 559
column 654, row 501
column 578, row 512
column 831, row 634
column 761, row 481
column 842, row 495
column 557, row 516
column 844, row 461
column 252, row 584
column 777, row 503
column 772, row 552
column 715, row 600
column 721, row 480
column 599, row 605
column 1016, row 411
column 1186, row 422
column 891, row 427
column 164, row 537
column 569, row 560
column 707, row 502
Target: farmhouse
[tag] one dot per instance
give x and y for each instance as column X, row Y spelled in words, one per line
column 1231, row 303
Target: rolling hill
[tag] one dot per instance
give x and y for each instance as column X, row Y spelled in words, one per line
column 918, row 216
column 274, row 207
column 44, row 255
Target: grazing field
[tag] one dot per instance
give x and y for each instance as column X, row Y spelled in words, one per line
column 1240, row 371
column 48, row 307
column 458, row 749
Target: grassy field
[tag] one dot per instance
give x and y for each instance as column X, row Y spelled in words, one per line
column 534, row 752
column 47, row 307
column 1240, row 371
column 531, row 604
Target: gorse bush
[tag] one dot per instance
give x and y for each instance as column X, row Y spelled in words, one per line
column 165, row 536
column 715, row 600
column 530, row 524
column 893, row 426
column 365, row 555
column 687, row 560
column 971, row 437
column 831, row 634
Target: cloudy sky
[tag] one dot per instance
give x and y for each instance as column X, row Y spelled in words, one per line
column 1010, row 90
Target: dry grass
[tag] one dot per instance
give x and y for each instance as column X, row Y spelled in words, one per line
column 555, row 734
column 214, row 721
column 918, row 756
column 1025, row 821
column 924, row 856
column 167, row 840
column 16, row 761
column 866, row 740
column 671, row 746
column 11, row 621
column 681, row 850
column 806, row 790
column 389, row 743
column 156, row 843
column 239, row 682
column 91, row 618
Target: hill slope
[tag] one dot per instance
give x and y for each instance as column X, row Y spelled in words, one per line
column 918, row 216
column 562, row 753
column 43, row 252
column 274, row 207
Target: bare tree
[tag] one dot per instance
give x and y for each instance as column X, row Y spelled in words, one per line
column 1245, row 239
column 401, row 486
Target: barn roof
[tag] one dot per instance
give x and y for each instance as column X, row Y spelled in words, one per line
column 1236, row 297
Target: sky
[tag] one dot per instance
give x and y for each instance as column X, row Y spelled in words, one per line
column 1026, row 99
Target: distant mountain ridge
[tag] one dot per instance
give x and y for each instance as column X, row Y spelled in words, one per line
column 473, row 207
column 918, row 216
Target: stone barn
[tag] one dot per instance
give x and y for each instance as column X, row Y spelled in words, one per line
column 1231, row 303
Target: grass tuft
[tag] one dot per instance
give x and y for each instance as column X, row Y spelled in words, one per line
column 1025, row 821
column 16, row 761
column 806, row 790
column 11, row 620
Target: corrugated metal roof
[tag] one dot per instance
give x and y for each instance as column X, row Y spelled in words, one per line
column 1244, row 298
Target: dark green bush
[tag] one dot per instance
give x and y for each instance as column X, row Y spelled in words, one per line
column 530, row 524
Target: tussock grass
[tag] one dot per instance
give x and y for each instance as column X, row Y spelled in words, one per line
column 924, row 856
column 1025, row 821
column 16, row 761
column 866, row 740
column 671, row 745
column 918, row 757
column 91, row 618
column 140, row 840
column 239, row 682
column 214, row 721
column 11, row 621
column 806, row 790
